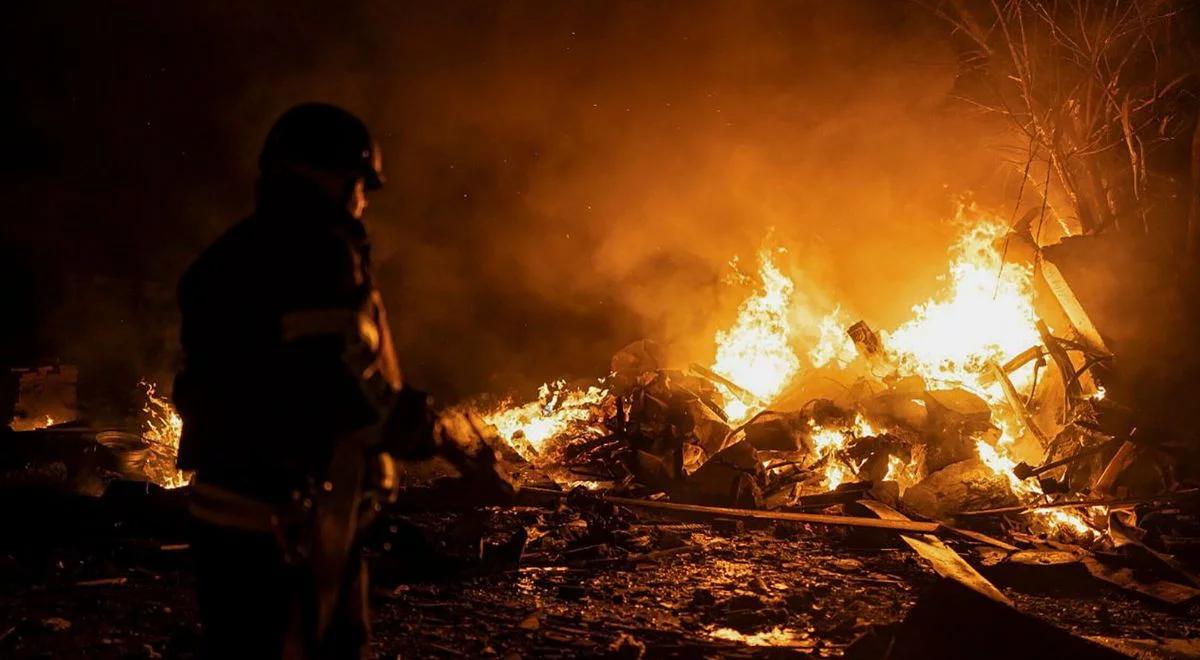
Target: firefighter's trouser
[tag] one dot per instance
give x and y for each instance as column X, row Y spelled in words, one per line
column 255, row 603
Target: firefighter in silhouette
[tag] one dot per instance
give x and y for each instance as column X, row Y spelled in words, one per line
column 293, row 405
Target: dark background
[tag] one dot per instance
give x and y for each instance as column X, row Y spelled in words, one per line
column 563, row 177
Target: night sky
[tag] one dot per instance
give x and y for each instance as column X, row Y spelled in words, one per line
column 563, row 177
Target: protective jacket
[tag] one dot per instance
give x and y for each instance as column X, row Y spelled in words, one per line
column 286, row 344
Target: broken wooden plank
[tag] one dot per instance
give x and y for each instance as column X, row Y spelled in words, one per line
column 1023, row 358
column 781, row 516
column 941, row 557
column 1025, row 471
column 1071, row 306
column 1107, row 480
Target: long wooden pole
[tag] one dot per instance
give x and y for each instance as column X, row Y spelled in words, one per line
column 910, row 526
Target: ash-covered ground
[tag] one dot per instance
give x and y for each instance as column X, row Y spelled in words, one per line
column 110, row 578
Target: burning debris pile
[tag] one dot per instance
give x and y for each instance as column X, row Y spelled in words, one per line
column 161, row 429
column 65, row 451
column 985, row 409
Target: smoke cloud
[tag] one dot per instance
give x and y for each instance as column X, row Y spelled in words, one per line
column 563, row 177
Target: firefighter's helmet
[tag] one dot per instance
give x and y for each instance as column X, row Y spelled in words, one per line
column 326, row 138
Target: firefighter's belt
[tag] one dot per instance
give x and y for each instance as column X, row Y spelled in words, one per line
column 226, row 508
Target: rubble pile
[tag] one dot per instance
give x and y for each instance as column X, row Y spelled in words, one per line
column 58, row 448
column 983, row 418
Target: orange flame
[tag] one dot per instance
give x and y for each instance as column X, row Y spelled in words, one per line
column 833, row 344
column 986, row 313
column 529, row 427
column 162, row 429
column 756, row 353
column 830, row 441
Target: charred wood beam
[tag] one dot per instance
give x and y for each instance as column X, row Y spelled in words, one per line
column 1021, row 359
column 781, row 516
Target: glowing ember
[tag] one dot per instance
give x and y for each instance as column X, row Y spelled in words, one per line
column 527, row 428
column 756, row 353
column 985, row 313
column 162, row 429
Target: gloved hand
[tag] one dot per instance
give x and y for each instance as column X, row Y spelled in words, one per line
column 468, row 443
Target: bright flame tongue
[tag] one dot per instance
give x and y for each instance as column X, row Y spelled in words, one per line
column 162, row 429
column 986, row 315
column 756, row 353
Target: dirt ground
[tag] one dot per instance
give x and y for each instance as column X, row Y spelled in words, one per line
column 589, row 583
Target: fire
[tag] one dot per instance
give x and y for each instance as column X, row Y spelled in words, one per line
column 905, row 474
column 22, row 424
column 529, row 427
column 777, row 637
column 985, row 314
column 833, row 344
column 162, row 429
column 1059, row 522
column 756, row 353
column 829, row 441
